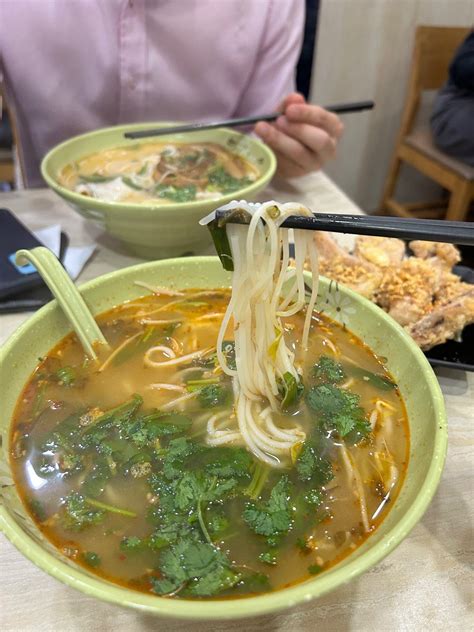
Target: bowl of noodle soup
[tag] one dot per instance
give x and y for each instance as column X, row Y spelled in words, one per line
column 197, row 279
column 140, row 192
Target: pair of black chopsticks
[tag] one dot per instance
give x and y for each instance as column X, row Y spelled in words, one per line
column 403, row 228
column 338, row 108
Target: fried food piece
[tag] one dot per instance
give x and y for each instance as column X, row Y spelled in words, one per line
column 447, row 254
column 444, row 323
column 380, row 251
column 406, row 292
column 329, row 249
column 451, row 287
column 337, row 264
column 419, row 292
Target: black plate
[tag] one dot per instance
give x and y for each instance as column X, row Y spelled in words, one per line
column 452, row 354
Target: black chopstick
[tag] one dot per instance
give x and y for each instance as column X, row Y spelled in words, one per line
column 337, row 108
column 404, row 228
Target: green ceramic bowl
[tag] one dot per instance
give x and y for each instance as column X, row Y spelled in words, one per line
column 405, row 361
column 147, row 230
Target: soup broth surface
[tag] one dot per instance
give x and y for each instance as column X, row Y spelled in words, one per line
column 159, row 172
column 112, row 460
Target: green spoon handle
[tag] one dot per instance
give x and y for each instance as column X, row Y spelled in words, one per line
column 67, row 295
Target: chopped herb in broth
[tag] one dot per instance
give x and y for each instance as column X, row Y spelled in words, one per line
column 159, row 172
column 115, row 466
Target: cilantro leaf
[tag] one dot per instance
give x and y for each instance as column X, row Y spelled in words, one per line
column 176, row 453
column 274, row 516
column 214, row 395
column 328, row 370
column 94, row 433
column 96, row 480
column 311, row 466
column 202, row 566
column 314, row 569
column 188, row 490
column 221, row 180
column 91, row 559
column 176, row 194
column 314, row 496
column 339, row 410
column 254, row 583
column 268, row 557
column 217, row 523
column 227, row 462
column 173, row 528
column 66, row 376
column 145, row 429
column 163, row 586
column 200, row 558
column 78, row 514
column 37, row 509
column 214, row 582
column 64, row 434
column 132, row 543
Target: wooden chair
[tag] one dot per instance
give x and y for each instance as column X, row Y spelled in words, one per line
column 434, row 49
column 7, row 168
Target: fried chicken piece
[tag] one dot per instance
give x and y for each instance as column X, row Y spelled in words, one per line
column 444, row 322
column 380, row 251
column 446, row 254
column 329, row 249
column 406, row 291
column 451, row 287
column 419, row 292
column 337, row 264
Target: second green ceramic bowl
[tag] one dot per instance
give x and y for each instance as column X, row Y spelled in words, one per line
column 155, row 230
column 405, row 361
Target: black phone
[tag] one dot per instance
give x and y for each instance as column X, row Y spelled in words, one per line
column 21, row 287
column 13, row 236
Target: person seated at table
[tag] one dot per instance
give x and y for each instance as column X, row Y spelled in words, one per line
column 70, row 67
column 452, row 120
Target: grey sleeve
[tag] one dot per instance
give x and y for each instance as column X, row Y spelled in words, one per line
column 452, row 123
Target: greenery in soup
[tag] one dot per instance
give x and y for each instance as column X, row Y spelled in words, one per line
column 159, row 172
column 120, row 465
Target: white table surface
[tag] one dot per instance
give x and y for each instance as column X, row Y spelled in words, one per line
column 425, row 584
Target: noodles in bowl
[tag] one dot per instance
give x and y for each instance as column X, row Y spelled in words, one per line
column 161, row 173
column 169, row 468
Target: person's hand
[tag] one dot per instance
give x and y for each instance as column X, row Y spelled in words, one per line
column 303, row 138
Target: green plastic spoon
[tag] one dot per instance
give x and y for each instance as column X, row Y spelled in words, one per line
column 67, row 295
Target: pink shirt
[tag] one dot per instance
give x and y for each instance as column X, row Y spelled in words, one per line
column 70, row 66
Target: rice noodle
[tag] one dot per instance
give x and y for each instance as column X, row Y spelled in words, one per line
column 174, row 360
column 179, row 401
column 116, row 351
column 329, row 343
column 166, row 387
column 260, row 253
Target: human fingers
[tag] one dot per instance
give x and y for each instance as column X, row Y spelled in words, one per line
column 316, row 116
column 314, row 138
column 287, row 146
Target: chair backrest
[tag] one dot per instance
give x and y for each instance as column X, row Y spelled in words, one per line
column 432, row 54
column 434, row 50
